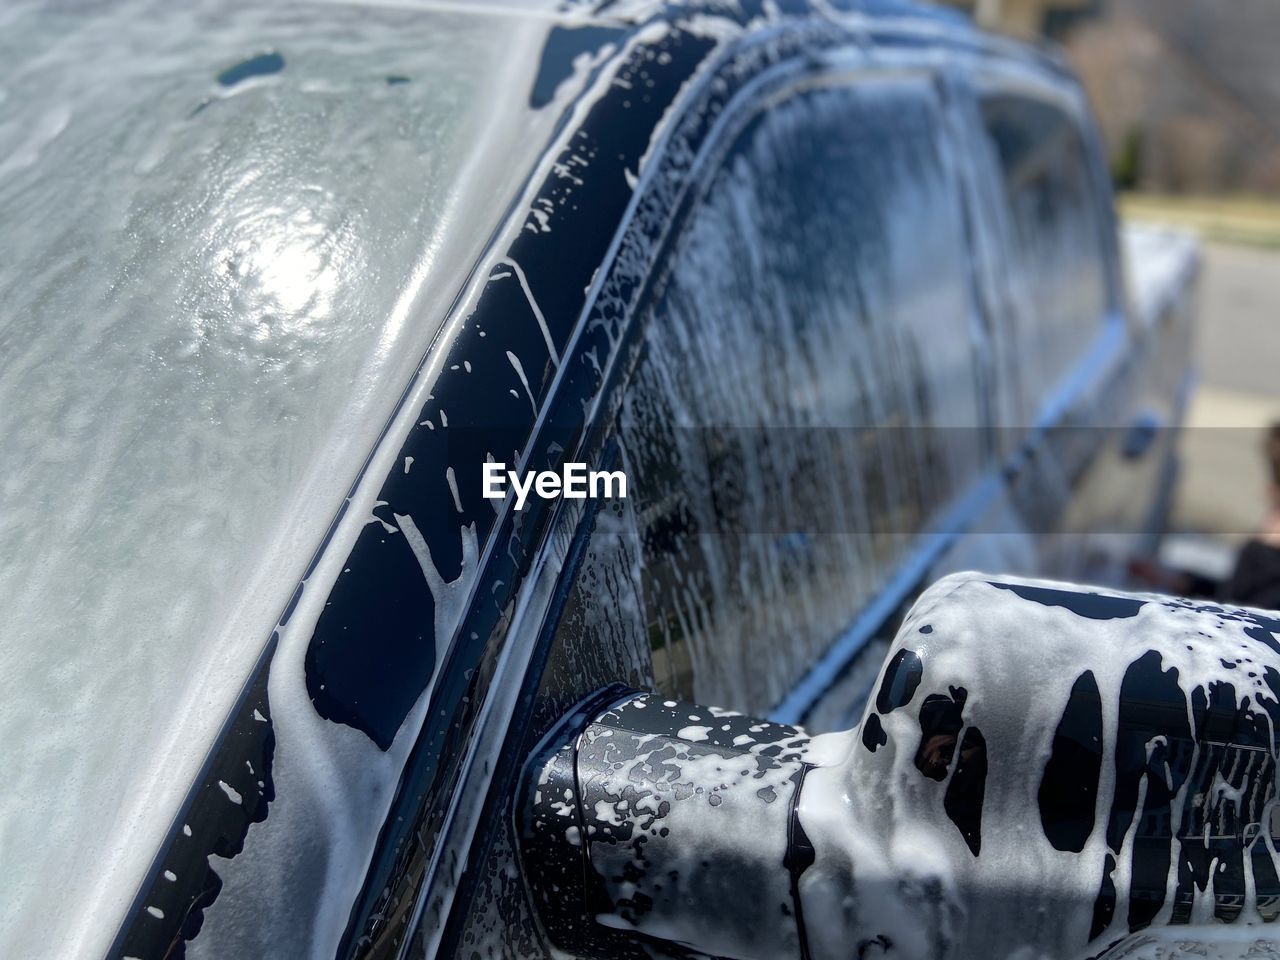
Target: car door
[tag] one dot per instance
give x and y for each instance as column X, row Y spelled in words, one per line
column 797, row 399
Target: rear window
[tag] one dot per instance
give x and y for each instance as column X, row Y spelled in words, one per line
column 1056, row 256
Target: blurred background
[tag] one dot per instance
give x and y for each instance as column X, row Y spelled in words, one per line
column 1187, row 95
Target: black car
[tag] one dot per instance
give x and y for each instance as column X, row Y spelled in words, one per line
column 834, row 287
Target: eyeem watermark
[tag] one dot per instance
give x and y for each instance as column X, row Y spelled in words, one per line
column 574, row 482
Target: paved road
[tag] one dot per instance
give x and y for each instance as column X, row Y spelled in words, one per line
column 1223, row 488
column 1240, row 320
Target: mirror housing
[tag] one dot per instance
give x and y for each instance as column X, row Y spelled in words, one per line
column 1042, row 770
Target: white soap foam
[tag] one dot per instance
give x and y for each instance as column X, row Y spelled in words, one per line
column 873, row 816
column 212, row 298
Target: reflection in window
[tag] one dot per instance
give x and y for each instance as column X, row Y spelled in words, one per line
column 1056, row 257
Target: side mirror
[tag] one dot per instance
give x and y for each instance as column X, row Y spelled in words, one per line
column 1042, row 771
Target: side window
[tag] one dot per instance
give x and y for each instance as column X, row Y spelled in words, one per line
column 1056, row 256
column 806, row 400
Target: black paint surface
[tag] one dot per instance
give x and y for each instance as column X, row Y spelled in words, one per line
column 1069, row 789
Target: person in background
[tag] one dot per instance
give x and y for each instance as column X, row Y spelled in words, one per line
column 1255, row 580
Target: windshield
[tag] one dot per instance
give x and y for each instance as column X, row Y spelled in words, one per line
column 228, row 238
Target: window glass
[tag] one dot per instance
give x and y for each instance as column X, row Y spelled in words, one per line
column 1057, row 263
column 230, row 231
column 806, row 399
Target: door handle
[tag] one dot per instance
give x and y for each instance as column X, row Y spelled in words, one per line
column 1141, row 435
